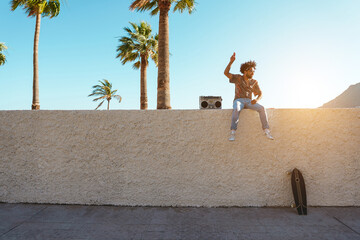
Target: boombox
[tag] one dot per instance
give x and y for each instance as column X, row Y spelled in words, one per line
column 210, row 102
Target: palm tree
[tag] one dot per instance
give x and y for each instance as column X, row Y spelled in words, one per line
column 104, row 91
column 163, row 6
column 138, row 47
column 2, row 56
column 38, row 9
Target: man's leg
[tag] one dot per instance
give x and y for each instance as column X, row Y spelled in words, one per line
column 263, row 117
column 238, row 105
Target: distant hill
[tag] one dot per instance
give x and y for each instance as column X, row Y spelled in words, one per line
column 350, row 98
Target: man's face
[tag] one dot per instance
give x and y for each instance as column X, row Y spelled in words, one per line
column 249, row 73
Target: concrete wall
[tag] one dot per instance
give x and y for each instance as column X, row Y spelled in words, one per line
column 178, row 157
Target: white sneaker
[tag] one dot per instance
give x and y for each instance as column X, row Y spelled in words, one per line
column 268, row 134
column 232, row 135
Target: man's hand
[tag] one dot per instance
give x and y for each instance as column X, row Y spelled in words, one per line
column 232, row 59
column 227, row 69
column 254, row 101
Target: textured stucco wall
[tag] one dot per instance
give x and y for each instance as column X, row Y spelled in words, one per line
column 178, row 157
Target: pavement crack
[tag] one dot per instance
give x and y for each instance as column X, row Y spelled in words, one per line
column 346, row 225
column 38, row 212
column 21, row 223
column 11, row 229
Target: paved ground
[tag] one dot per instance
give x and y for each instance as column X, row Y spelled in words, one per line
column 50, row 222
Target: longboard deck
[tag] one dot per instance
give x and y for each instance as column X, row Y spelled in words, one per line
column 299, row 191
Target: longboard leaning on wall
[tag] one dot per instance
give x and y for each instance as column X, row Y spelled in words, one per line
column 299, row 191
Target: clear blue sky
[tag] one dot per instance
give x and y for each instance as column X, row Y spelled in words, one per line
column 307, row 52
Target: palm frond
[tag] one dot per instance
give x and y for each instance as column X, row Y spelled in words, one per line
column 145, row 29
column 2, row 59
column 130, row 57
column 97, row 93
column 118, row 97
column 99, row 105
column 96, row 86
column 52, row 9
column 137, row 65
column 182, row 5
column 142, row 5
column 34, row 7
column 99, row 98
column 107, row 83
column 128, row 30
column 155, row 11
column 155, row 57
column 15, row 3
column 135, row 27
column 31, row 7
column 3, row 47
column 127, row 40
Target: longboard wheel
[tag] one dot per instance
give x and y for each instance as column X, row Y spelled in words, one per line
column 289, row 172
column 293, row 205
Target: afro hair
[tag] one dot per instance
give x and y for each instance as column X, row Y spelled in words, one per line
column 246, row 66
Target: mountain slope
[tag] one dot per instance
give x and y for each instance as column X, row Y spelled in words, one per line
column 350, row 98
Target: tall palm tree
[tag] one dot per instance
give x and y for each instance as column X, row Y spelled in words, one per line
column 2, row 56
column 38, row 9
column 139, row 46
column 104, row 92
column 163, row 6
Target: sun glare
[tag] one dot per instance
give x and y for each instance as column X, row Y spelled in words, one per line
column 306, row 92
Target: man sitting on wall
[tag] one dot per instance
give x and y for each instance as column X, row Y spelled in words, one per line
column 245, row 86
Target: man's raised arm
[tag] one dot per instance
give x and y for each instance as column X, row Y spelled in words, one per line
column 227, row 69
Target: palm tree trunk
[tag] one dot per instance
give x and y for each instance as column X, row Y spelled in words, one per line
column 163, row 90
column 35, row 102
column 108, row 104
column 143, row 83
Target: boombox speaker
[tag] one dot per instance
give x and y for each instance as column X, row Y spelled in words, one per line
column 210, row 102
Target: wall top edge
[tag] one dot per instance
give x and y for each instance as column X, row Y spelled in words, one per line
column 187, row 110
